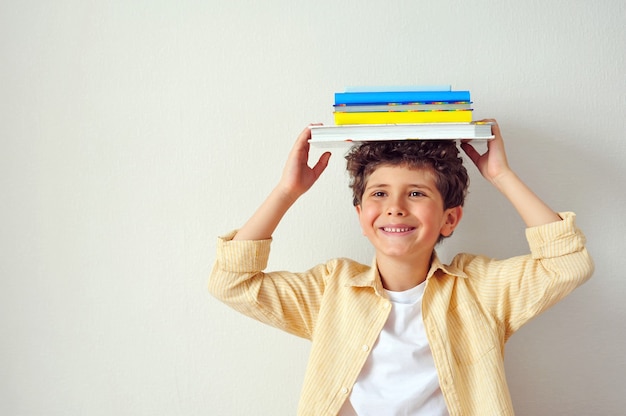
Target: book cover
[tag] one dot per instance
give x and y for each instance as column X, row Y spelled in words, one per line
column 393, row 117
column 401, row 97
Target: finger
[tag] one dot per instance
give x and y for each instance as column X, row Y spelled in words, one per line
column 495, row 128
column 307, row 130
column 497, row 143
column 300, row 149
column 321, row 164
column 302, row 142
column 471, row 152
column 304, row 136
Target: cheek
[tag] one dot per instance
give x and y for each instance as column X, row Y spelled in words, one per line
column 367, row 215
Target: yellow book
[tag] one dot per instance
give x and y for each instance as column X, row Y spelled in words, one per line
column 399, row 117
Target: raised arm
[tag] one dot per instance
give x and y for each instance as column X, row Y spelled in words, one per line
column 297, row 178
column 493, row 165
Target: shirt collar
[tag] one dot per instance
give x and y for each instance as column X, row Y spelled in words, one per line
column 448, row 269
column 371, row 277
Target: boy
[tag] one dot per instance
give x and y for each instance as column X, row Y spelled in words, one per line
column 408, row 335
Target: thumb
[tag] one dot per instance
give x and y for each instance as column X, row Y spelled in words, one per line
column 321, row 164
column 471, row 152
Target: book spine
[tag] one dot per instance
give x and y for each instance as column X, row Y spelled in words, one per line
column 400, row 97
column 461, row 116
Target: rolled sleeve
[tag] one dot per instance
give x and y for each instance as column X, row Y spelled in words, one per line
column 242, row 256
column 556, row 239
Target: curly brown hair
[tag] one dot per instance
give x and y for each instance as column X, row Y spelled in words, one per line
column 441, row 157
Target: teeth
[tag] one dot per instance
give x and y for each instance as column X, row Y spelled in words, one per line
column 396, row 230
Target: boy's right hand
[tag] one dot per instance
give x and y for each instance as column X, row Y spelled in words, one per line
column 298, row 177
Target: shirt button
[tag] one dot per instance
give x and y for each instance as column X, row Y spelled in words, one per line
column 344, row 390
column 365, row 348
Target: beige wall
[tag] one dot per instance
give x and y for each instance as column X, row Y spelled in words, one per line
column 135, row 132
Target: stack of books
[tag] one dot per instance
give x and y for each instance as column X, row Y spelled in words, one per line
column 401, row 113
column 391, row 105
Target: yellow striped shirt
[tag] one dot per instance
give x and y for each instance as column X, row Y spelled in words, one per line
column 470, row 309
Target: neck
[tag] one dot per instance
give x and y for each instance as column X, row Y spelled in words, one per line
column 400, row 275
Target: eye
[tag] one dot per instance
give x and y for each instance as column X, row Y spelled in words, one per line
column 416, row 194
column 378, row 194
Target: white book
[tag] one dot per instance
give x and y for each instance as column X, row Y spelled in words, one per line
column 346, row 134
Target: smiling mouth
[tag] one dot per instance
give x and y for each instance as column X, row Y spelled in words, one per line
column 397, row 229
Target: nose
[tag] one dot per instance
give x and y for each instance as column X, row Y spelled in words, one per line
column 396, row 208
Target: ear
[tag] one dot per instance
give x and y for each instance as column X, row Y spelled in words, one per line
column 452, row 217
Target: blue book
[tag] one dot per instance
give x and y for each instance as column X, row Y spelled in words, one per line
column 400, row 97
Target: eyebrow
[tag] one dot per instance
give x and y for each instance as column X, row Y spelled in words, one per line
column 411, row 185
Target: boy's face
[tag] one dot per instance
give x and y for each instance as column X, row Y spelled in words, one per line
column 402, row 213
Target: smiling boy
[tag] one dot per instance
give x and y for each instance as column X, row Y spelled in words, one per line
column 403, row 215
column 408, row 335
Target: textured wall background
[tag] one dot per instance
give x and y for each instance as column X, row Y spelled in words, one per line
column 135, row 132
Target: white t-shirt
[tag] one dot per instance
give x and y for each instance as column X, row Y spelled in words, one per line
column 399, row 377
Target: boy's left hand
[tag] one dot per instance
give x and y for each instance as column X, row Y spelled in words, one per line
column 494, row 167
column 493, row 163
